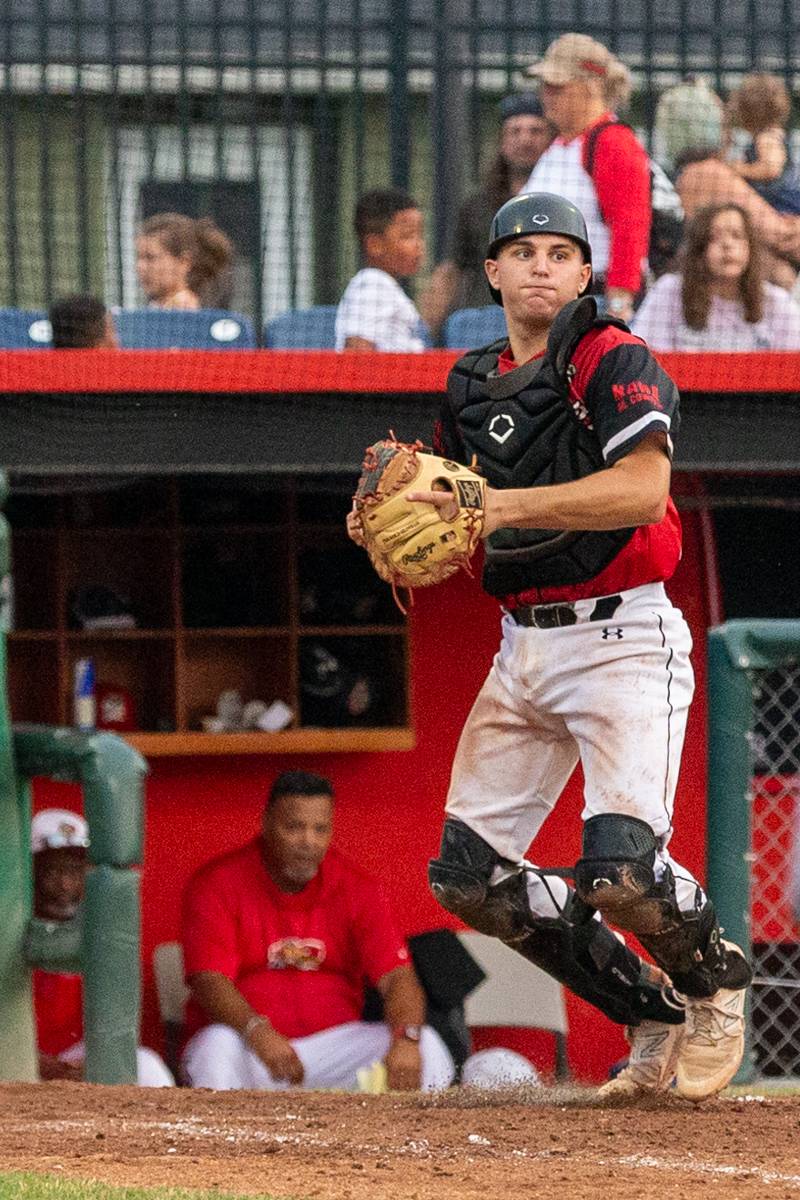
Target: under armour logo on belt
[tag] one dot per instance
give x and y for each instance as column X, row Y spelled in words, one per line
column 611, row 631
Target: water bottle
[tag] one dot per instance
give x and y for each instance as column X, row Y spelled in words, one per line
column 84, row 702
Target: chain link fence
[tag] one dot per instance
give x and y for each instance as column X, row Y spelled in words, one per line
column 272, row 116
column 775, row 813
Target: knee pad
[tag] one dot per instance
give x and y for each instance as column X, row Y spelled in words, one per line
column 460, row 880
column 616, row 874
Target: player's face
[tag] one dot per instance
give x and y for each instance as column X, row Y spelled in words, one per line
column 537, row 275
column 59, row 878
column 728, row 249
column 297, row 832
column 524, row 140
column 160, row 273
column 400, row 249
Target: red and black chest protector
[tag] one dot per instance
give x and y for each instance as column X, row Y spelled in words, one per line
column 526, row 432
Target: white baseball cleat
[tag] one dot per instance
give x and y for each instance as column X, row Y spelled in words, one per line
column 655, row 1047
column 714, row 1044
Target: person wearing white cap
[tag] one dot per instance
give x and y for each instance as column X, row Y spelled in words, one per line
column 59, row 844
column 596, row 162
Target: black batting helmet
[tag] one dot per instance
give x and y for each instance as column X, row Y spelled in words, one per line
column 537, row 212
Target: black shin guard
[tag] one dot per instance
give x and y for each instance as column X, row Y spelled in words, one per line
column 689, row 949
column 577, row 950
column 584, row 955
column 616, row 876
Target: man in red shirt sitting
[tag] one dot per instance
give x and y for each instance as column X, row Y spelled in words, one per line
column 280, row 938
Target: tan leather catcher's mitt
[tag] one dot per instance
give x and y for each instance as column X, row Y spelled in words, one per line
column 409, row 542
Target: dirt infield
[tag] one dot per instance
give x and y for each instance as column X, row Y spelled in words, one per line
column 403, row 1148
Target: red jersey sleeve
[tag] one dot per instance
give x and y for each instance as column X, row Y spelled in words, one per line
column 208, row 928
column 621, row 178
column 625, row 394
column 376, row 941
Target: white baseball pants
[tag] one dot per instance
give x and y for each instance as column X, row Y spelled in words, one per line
column 614, row 694
column 217, row 1057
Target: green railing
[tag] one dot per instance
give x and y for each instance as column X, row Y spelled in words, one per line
column 753, row 821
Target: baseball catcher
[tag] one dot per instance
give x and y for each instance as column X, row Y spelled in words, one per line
column 572, row 421
column 412, row 543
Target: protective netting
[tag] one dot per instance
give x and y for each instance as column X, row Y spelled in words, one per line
column 331, row 169
column 775, row 876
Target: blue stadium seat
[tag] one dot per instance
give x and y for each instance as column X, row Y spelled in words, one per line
column 468, row 327
column 168, row 329
column 303, row 329
column 20, row 330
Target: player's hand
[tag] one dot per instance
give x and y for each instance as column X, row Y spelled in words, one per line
column 444, row 500
column 446, row 503
column 277, row 1054
column 403, row 1066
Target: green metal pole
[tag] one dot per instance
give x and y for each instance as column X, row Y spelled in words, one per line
column 730, row 716
column 18, row 1058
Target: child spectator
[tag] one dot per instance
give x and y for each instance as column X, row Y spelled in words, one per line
column 82, row 323
column 720, row 300
column 761, row 106
column 184, row 263
column 375, row 313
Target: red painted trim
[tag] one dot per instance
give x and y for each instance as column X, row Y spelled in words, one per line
column 260, row 371
column 282, row 371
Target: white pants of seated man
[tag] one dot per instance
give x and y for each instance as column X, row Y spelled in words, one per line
column 151, row 1070
column 217, row 1057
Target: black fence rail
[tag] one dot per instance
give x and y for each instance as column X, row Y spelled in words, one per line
column 271, row 116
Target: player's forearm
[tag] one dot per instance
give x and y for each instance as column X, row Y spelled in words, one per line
column 221, row 1000
column 623, row 496
column 403, row 998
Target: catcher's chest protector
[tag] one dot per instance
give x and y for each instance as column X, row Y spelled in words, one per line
column 525, row 432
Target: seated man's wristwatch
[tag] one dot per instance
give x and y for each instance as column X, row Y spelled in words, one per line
column 411, row 1033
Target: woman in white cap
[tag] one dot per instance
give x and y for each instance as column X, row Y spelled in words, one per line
column 596, row 161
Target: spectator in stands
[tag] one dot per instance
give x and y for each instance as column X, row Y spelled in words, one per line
column 279, row 939
column 460, row 280
column 690, row 118
column 184, row 263
column 82, row 323
column 582, row 86
column 719, row 300
column 761, row 105
column 705, row 176
column 375, row 313
column 59, row 841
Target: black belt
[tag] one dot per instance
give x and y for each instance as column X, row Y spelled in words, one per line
column 551, row 616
